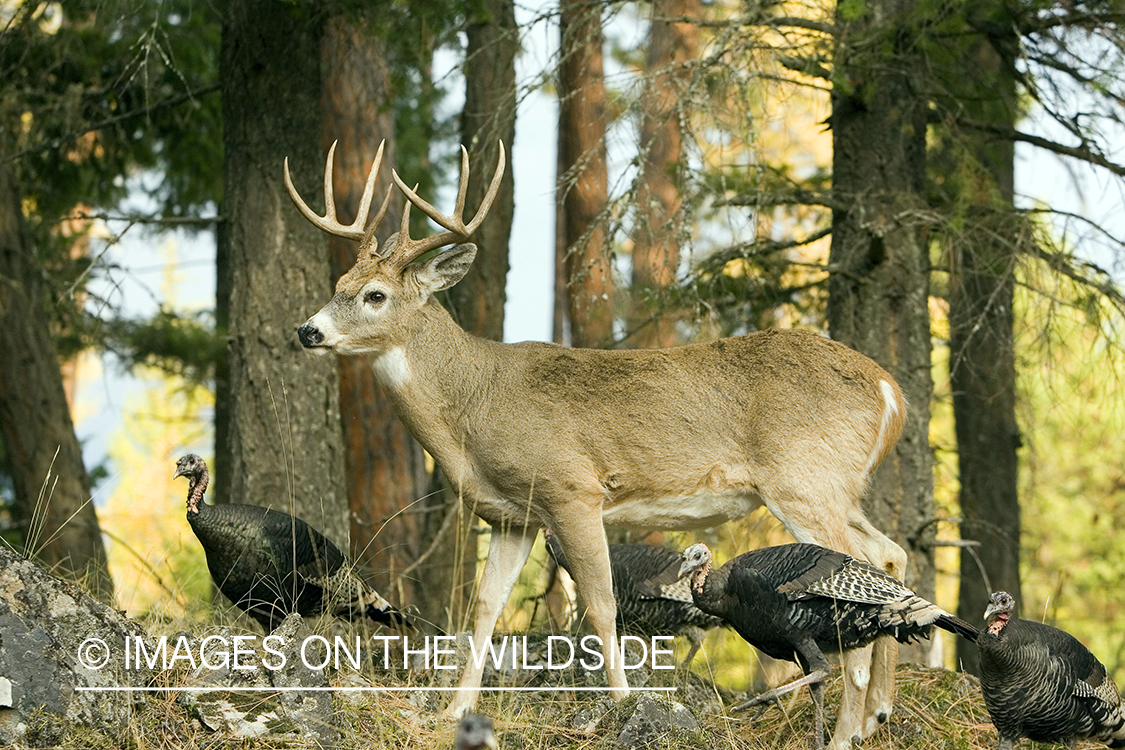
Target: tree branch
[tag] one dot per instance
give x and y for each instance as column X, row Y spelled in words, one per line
column 57, row 142
column 1084, row 152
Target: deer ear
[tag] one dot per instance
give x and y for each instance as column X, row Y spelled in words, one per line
column 446, row 268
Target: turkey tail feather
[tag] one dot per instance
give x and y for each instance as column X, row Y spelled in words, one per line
column 956, row 625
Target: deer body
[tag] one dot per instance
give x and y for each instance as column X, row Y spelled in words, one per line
column 535, row 434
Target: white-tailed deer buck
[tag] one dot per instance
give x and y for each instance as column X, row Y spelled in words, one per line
column 534, row 434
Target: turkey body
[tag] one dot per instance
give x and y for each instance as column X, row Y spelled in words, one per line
column 646, row 608
column 798, row 602
column 269, row 563
column 1042, row 683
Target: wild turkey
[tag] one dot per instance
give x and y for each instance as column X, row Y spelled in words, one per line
column 643, row 608
column 269, row 563
column 798, row 601
column 475, row 733
column 1040, row 682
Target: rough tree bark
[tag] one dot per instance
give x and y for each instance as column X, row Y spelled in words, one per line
column 878, row 287
column 656, row 252
column 385, row 466
column 583, row 182
column 52, row 489
column 982, row 351
column 282, row 444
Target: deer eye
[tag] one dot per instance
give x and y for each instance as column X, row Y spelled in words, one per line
column 374, row 297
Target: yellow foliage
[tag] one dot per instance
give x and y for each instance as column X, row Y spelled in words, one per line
column 155, row 559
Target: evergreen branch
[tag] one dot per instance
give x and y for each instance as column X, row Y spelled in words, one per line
column 1083, row 152
column 799, row 196
column 199, row 221
column 58, row 141
column 794, row 22
column 747, row 250
column 1080, row 272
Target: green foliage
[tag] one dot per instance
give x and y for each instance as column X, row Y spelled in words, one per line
column 1073, row 485
column 104, row 89
column 181, row 345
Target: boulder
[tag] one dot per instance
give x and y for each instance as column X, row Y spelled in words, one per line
column 62, row 657
column 305, row 715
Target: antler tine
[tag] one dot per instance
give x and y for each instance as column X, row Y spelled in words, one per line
column 368, row 191
column 369, row 235
column 329, row 223
column 490, row 196
column 407, row 248
column 410, row 249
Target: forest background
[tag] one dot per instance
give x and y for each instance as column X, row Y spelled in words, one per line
column 720, row 168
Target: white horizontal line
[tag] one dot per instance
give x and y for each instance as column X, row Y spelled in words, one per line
column 423, row 688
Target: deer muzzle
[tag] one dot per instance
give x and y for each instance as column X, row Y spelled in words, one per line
column 310, row 335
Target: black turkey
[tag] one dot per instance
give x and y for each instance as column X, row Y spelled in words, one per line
column 269, row 563
column 799, row 601
column 644, row 608
column 475, row 733
column 1040, row 682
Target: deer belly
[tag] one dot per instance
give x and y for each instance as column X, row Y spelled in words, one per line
column 697, row 511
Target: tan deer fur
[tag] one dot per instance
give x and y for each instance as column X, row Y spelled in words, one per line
column 535, row 434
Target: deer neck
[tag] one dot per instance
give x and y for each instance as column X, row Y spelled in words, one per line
column 434, row 378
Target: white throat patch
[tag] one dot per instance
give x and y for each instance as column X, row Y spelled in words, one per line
column 392, row 369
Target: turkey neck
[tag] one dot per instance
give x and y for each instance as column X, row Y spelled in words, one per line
column 195, row 492
column 707, row 589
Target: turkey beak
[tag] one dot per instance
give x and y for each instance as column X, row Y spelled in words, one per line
column 990, row 611
column 490, row 741
column 685, row 568
column 180, row 472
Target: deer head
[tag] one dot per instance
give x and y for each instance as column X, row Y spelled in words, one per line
column 387, row 286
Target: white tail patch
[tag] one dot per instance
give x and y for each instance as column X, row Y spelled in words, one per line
column 890, row 411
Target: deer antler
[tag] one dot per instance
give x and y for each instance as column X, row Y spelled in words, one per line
column 408, row 250
column 329, row 223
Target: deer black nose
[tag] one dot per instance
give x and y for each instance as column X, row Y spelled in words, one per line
column 310, row 335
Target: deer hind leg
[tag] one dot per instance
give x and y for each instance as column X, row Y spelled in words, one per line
column 583, row 539
column 507, row 552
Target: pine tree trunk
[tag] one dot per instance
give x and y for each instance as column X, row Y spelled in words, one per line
column 878, row 288
column 583, row 182
column 282, row 444
column 52, row 489
column 982, row 353
column 385, row 466
column 656, row 252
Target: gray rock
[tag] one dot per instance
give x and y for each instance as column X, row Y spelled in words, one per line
column 305, row 715
column 652, row 719
column 53, row 639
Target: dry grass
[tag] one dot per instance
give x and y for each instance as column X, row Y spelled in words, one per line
column 934, row 710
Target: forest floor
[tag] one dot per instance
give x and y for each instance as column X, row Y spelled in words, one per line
column 934, row 710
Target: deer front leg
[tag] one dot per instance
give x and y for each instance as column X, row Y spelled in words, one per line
column 507, row 552
column 583, row 540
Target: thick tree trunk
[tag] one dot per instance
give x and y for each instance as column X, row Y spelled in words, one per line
column 878, row 289
column 982, row 354
column 489, row 117
column 52, row 489
column 283, row 442
column 583, row 181
column 656, row 252
column 385, row 466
